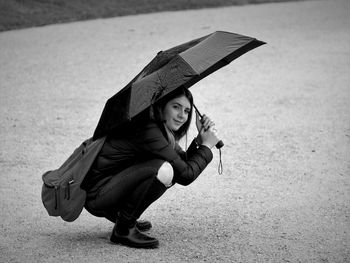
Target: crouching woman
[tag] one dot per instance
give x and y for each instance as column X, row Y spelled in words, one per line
column 135, row 168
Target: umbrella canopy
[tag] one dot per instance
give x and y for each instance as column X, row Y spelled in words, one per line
column 180, row 66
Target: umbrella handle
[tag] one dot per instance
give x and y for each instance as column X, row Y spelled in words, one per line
column 220, row 144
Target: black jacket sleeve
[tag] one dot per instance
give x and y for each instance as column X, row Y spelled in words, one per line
column 192, row 149
column 152, row 141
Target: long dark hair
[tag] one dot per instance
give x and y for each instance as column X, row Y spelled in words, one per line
column 157, row 108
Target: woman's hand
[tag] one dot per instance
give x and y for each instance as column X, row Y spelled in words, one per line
column 203, row 123
column 207, row 133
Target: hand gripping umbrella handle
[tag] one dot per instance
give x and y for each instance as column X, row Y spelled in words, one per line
column 220, row 144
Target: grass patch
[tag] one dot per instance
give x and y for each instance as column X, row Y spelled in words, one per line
column 16, row 14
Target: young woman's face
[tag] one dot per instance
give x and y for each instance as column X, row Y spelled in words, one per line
column 176, row 112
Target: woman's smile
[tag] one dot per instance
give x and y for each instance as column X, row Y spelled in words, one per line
column 178, row 122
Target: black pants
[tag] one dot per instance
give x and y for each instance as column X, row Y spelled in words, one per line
column 128, row 193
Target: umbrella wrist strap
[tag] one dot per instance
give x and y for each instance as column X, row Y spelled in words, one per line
column 220, row 166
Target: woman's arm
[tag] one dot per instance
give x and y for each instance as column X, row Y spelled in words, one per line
column 192, row 149
column 152, row 142
column 185, row 172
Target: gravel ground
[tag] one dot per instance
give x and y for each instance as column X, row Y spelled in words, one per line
column 282, row 110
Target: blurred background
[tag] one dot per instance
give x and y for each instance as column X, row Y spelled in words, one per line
column 16, row 14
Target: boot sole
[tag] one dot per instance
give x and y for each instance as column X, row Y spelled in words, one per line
column 126, row 242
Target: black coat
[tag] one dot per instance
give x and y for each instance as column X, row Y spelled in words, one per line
column 146, row 143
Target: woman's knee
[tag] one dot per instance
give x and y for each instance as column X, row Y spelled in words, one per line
column 166, row 174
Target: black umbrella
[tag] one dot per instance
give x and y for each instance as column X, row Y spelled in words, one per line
column 180, row 66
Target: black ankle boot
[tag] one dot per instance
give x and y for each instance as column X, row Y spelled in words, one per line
column 127, row 234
